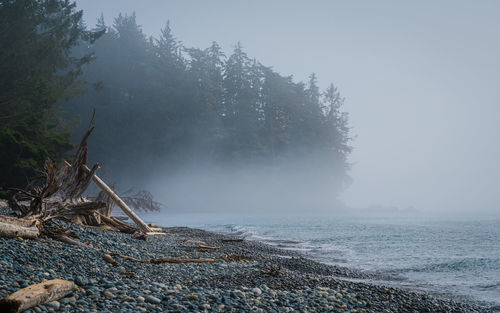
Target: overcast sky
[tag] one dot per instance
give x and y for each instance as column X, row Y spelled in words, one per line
column 420, row 78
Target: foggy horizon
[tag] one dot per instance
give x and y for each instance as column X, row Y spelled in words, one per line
column 249, row 156
column 418, row 79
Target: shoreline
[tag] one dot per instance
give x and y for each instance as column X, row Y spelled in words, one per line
column 256, row 278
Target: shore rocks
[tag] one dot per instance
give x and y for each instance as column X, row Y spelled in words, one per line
column 152, row 299
column 296, row 285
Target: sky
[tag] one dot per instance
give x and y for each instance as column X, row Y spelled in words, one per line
column 420, row 81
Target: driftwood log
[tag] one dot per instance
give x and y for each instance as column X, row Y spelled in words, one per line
column 36, row 294
column 12, row 227
column 143, row 226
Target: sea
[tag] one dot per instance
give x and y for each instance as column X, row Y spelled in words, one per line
column 455, row 257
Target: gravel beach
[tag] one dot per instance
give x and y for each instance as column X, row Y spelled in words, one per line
column 260, row 279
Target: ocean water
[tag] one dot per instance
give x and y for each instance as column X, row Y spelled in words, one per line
column 457, row 257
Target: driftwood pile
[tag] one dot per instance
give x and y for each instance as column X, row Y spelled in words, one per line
column 60, row 197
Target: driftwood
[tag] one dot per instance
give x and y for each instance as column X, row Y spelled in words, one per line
column 108, row 258
column 201, row 247
column 187, row 260
column 36, row 294
column 11, row 227
column 118, row 225
column 61, row 197
column 145, row 228
column 61, row 194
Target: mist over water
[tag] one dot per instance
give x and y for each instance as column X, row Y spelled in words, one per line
column 362, row 134
column 289, row 187
column 418, row 79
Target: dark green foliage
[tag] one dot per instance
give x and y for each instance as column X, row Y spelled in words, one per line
column 36, row 70
column 165, row 104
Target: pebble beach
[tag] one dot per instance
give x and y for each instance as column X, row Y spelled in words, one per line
column 247, row 277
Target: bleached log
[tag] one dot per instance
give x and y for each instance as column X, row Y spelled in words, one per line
column 12, row 227
column 36, row 294
column 14, row 231
column 25, row 222
column 137, row 220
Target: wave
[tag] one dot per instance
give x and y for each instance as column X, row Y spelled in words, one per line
column 414, row 259
column 327, row 252
column 458, row 265
column 488, row 287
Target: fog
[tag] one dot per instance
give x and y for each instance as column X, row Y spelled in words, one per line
column 297, row 186
column 419, row 78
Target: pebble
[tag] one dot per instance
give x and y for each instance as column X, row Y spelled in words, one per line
column 300, row 285
column 54, row 304
column 81, row 281
column 152, row 299
column 257, row 291
column 192, row 297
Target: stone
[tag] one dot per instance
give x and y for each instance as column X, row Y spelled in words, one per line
column 192, row 297
column 54, row 304
column 140, row 299
column 152, row 299
column 205, row 306
column 160, row 285
column 257, row 291
column 81, row 281
column 108, row 294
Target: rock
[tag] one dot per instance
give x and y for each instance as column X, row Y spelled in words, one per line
column 160, row 285
column 178, row 287
column 192, row 297
column 54, row 304
column 152, row 299
column 205, row 306
column 257, row 291
column 64, row 301
column 81, row 281
column 108, row 294
column 140, row 299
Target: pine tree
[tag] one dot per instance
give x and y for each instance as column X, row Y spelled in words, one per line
column 36, row 71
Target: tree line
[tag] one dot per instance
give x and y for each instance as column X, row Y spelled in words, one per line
column 157, row 101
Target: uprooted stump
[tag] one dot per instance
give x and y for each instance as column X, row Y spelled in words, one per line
column 61, row 197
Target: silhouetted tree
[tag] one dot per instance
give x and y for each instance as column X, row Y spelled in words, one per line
column 37, row 70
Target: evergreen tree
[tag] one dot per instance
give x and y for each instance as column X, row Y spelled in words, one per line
column 36, row 71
